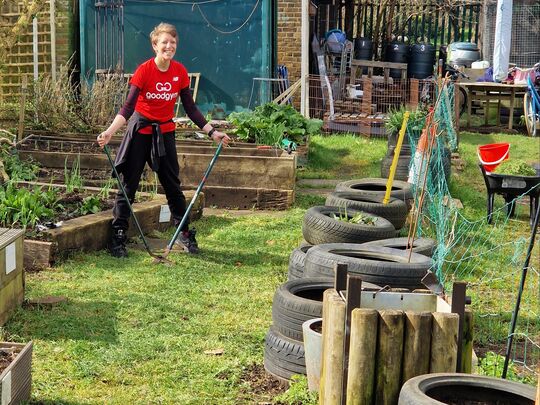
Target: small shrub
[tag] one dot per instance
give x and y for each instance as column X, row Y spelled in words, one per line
column 90, row 205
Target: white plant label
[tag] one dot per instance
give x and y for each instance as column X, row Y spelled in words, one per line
column 6, row 389
column 164, row 214
column 11, row 258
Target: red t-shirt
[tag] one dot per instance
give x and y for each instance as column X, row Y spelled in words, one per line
column 158, row 92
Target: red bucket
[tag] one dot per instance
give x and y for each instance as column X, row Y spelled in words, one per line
column 493, row 154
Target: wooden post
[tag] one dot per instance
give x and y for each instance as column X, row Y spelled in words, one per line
column 389, row 355
column 361, row 379
column 444, row 333
column 332, row 357
column 467, row 342
column 354, row 293
column 416, row 345
column 22, row 108
column 326, row 304
column 459, row 291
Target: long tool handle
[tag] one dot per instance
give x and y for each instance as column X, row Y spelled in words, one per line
column 108, row 153
column 197, row 192
column 397, row 151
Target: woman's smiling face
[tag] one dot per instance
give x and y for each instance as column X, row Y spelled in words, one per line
column 165, row 46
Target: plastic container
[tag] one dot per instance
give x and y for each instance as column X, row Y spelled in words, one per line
column 313, row 351
column 397, row 52
column 491, row 155
column 463, row 54
column 421, row 61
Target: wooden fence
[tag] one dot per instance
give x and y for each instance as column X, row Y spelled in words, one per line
column 436, row 21
column 52, row 37
column 385, row 349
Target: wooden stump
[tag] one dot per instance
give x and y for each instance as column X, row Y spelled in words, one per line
column 416, row 345
column 361, row 379
column 444, row 340
column 389, row 354
column 332, row 359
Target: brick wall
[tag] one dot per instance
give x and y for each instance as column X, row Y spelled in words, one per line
column 289, row 27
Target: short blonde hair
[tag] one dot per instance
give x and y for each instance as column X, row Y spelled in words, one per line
column 160, row 29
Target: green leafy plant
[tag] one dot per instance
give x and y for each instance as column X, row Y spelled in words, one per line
column 492, row 366
column 90, row 205
column 358, row 218
column 515, row 167
column 298, row 393
column 270, row 123
column 417, row 119
column 23, row 207
column 16, row 169
column 72, row 178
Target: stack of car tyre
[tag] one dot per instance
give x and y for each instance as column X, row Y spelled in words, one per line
column 370, row 250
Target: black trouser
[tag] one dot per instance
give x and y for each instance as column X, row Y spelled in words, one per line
column 138, row 156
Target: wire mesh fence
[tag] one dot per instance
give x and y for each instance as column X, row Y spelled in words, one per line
column 361, row 105
column 525, row 49
column 488, row 256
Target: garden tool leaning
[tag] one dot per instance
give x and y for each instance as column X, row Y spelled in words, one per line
column 190, row 206
column 157, row 258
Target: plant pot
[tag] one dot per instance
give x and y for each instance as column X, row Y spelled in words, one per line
column 16, row 378
column 313, row 351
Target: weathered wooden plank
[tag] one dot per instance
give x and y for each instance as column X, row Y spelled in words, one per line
column 232, row 171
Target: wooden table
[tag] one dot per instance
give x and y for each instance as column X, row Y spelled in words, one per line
column 490, row 93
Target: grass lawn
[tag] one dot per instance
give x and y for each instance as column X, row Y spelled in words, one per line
column 132, row 331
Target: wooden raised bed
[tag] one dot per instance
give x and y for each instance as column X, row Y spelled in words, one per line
column 92, row 232
column 16, row 378
column 244, row 176
column 11, row 272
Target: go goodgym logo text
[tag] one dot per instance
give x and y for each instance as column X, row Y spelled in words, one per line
column 163, row 88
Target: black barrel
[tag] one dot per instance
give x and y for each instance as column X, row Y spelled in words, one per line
column 363, row 49
column 421, row 61
column 396, row 52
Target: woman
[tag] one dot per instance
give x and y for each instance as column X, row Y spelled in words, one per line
column 149, row 137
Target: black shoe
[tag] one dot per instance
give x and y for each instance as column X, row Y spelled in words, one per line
column 188, row 242
column 118, row 243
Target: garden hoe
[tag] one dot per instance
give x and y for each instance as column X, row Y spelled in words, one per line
column 190, row 206
column 156, row 257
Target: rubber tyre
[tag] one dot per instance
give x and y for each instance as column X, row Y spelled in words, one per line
column 375, row 264
column 402, row 168
column 445, row 385
column 377, row 186
column 296, row 262
column 422, row 246
column 319, row 227
column 395, row 211
column 283, row 357
column 298, row 301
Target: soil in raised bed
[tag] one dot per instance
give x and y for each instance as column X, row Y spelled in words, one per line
column 7, row 355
